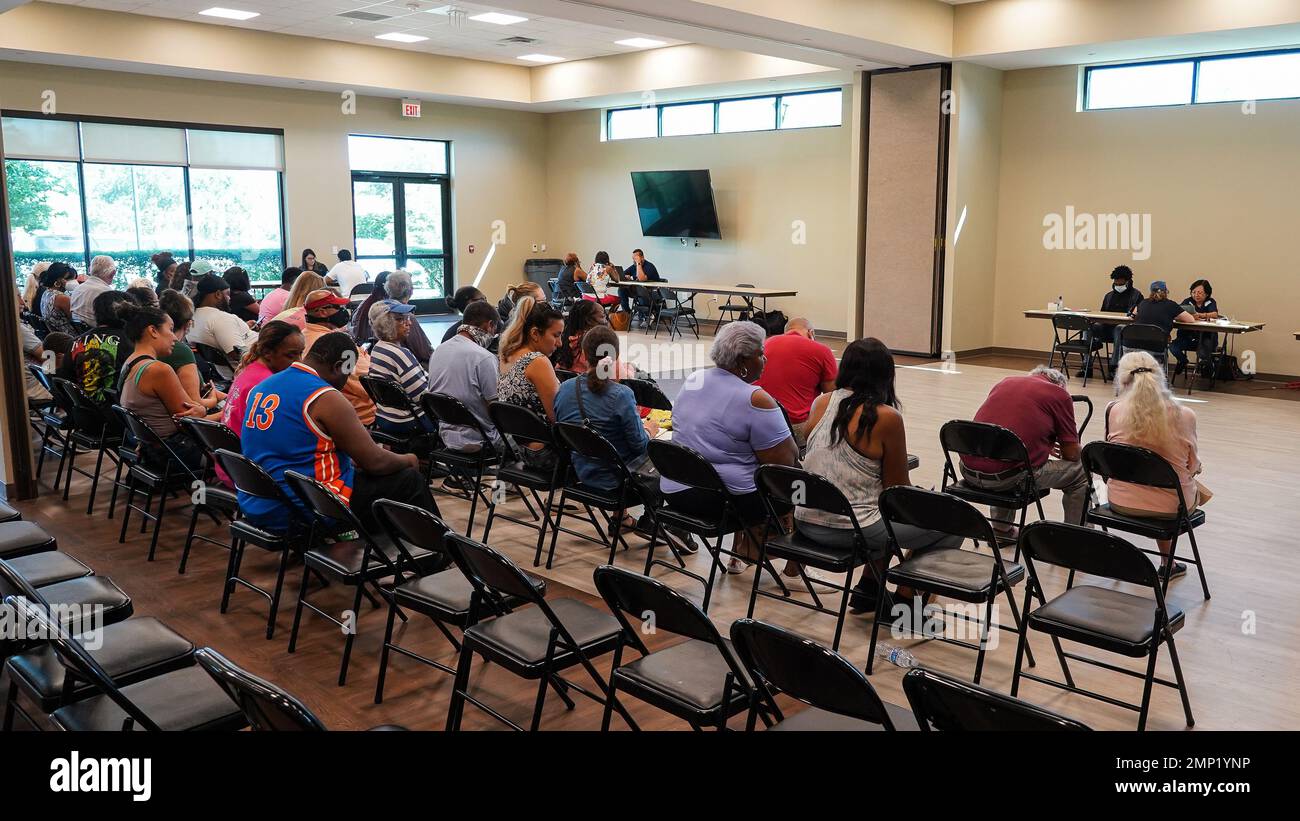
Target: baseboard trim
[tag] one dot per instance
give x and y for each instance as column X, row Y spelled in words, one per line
column 1041, row 356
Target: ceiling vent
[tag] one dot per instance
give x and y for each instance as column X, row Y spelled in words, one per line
column 368, row 16
column 517, row 41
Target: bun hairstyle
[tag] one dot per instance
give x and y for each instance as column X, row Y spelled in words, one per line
column 272, row 336
column 136, row 319
column 517, row 292
column 598, row 344
column 529, row 315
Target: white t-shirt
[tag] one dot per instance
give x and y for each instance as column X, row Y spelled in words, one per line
column 223, row 331
column 348, row 275
column 83, row 299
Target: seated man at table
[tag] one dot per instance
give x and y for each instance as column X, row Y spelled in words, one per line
column 1159, row 310
column 799, row 369
column 1201, row 305
column 1122, row 298
column 641, row 270
column 1038, row 409
column 298, row 419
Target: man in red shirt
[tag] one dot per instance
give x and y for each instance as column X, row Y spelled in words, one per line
column 1038, row 409
column 798, row 370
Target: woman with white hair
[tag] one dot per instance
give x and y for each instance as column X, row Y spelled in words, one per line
column 736, row 426
column 391, row 321
column 1146, row 415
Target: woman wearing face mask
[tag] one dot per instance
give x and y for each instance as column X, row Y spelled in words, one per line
column 1121, row 298
column 1201, row 305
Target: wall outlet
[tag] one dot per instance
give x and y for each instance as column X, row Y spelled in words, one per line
column 534, row 247
column 543, row 246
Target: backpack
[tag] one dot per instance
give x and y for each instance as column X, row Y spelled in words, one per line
column 772, row 322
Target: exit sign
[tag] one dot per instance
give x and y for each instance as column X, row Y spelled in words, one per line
column 410, row 108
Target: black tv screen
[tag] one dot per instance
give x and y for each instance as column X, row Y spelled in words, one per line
column 676, row 204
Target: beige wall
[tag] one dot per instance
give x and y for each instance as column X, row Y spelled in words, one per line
column 762, row 182
column 1220, row 186
column 498, row 155
column 974, row 147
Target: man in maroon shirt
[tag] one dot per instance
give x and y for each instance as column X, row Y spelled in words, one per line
column 798, row 370
column 1038, row 409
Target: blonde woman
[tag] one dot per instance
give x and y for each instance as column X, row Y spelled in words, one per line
column 514, row 293
column 34, row 285
column 294, row 311
column 1146, row 415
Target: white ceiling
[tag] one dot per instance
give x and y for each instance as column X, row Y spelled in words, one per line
column 475, row 40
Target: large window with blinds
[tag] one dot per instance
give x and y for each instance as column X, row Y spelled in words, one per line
column 80, row 187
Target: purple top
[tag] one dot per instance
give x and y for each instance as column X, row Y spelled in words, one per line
column 713, row 416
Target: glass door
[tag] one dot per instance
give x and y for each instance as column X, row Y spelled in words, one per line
column 402, row 221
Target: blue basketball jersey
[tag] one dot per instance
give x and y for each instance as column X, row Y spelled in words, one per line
column 279, row 435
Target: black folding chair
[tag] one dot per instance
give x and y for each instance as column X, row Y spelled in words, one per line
column 564, row 375
column 520, row 427
column 678, row 463
column 93, row 431
column 700, row 680
column 56, row 422
column 612, row 503
column 84, row 602
column 838, row 695
column 468, row 466
column 211, row 497
column 647, row 394
column 1102, row 617
column 360, row 291
column 355, row 563
column 947, row 704
column 987, row 441
column 251, row 480
column 787, row 487
column 183, row 699
column 1150, row 338
column 1074, row 338
column 172, row 476
column 737, row 310
column 1086, row 402
column 267, row 707
column 965, row 575
column 388, row 394
column 1113, row 461
column 218, row 360
column 674, row 310
column 535, row 643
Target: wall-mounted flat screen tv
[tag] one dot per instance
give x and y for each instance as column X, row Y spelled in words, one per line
column 676, row 204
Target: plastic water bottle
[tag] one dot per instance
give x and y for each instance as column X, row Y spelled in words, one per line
column 895, row 655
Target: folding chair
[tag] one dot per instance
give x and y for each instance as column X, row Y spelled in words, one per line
column 266, row 706
column 384, row 391
column 1150, row 338
column 678, row 463
column 535, row 643
column 173, row 476
column 737, row 310
column 838, row 695
column 520, row 427
column 1113, row 461
column 93, row 431
column 944, row 703
column 1102, row 617
column 647, row 394
column 212, row 497
column 217, row 359
column 56, row 422
column 674, row 309
column 467, row 465
column 965, row 575
column 789, row 487
column 182, row 699
column 355, row 563
column 990, row 442
column 700, row 680
column 1073, row 337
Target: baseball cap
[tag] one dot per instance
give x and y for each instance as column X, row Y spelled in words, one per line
column 398, row 307
column 211, row 284
column 199, row 268
column 323, row 298
column 1159, row 285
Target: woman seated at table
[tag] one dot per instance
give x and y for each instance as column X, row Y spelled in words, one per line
column 1201, row 305
column 601, row 276
column 857, row 441
column 1146, row 415
column 736, row 426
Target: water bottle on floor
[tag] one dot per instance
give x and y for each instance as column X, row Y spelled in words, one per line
column 895, row 655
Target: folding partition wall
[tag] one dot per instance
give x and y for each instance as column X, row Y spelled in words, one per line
column 906, row 200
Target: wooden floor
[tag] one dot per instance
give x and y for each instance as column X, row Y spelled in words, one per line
column 1240, row 651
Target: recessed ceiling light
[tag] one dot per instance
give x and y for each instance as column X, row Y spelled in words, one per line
column 498, row 18
column 230, row 14
column 640, row 42
column 400, row 37
column 541, row 58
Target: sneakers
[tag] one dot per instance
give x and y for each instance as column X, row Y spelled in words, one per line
column 1180, row 569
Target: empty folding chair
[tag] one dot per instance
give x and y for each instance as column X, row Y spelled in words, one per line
column 8, row 514
column 1112, row 461
column 535, row 642
column 212, row 497
column 1074, row 338
column 84, row 600
column 700, row 680
column 838, row 695
column 171, row 477
column 941, row 702
column 987, row 441
column 1102, row 617
column 431, row 589
column 23, row 538
column 954, row 572
column 251, row 480
column 742, row 309
column 520, row 427
column 266, row 706
column 787, row 487
column 355, row 563
column 672, row 309
column 55, row 421
column 182, row 699
column 467, row 465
